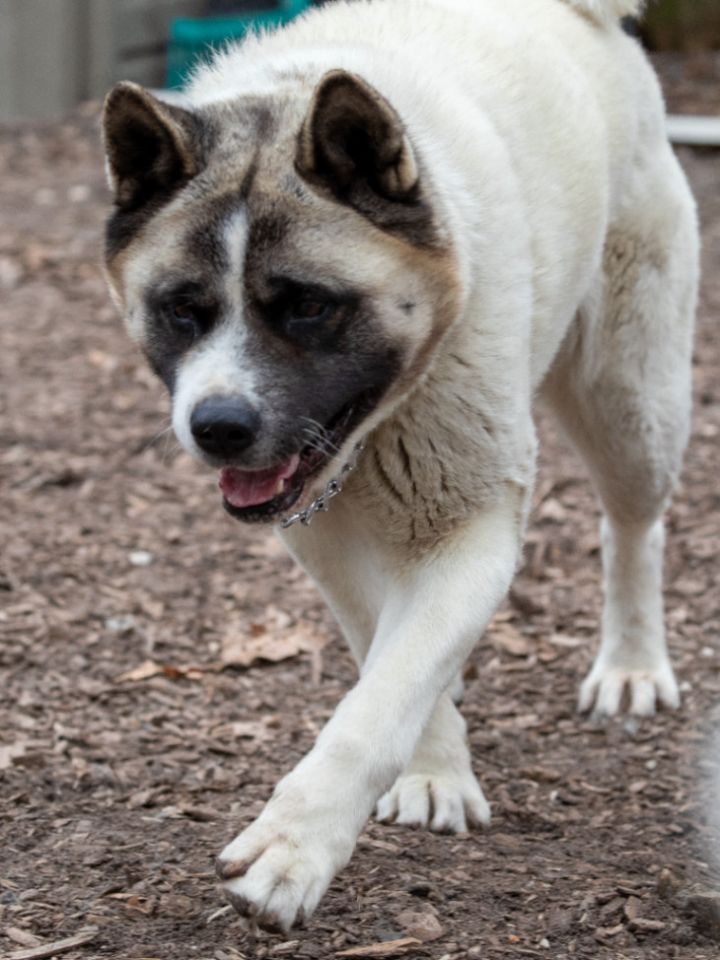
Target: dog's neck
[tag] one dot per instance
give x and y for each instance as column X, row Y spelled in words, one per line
column 333, row 487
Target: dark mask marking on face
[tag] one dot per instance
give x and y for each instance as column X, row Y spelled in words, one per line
column 313, row 374
column 318, row 401
column 179, row 312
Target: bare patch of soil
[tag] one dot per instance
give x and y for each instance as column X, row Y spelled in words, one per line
column 116, row 795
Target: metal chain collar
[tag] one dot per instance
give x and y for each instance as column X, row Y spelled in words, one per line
column 332, row 489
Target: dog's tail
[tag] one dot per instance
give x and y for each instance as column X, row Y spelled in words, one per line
column 609, row 10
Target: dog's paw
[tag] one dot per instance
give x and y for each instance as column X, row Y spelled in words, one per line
column 275, row 874
column 446, row 803
column 604, row 688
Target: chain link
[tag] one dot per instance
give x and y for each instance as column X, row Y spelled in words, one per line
column 332, row 489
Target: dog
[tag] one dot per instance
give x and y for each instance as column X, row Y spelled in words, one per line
column 356, row 256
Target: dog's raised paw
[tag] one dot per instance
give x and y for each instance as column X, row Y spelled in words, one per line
column 271, row 880
column 445, row 804
column 275, row 872
column 607, row 687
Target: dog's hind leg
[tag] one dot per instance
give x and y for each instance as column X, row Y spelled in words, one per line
column 438, row 789
column 621, row 389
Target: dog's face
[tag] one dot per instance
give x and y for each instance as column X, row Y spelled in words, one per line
column 283, row 265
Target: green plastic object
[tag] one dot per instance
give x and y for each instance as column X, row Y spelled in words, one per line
column 194, row 40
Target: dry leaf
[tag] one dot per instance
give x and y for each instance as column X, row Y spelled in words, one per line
column 149, row 669
column 145, row 905
column 275, row 640
column 391, row 948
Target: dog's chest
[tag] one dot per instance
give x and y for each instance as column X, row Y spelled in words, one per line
column 427, row 470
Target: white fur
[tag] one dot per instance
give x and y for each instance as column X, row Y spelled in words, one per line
column 214, row 370
column 308, row 830
column 632, row 654
column 609, row 10
column 542, row 133
column 235, row 237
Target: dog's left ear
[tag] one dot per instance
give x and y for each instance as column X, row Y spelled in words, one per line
column 354, row 143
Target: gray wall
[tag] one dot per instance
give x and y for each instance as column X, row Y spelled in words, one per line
column 55, row 53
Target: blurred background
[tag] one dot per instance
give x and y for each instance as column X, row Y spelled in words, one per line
column 84, row 46
column 57, row 53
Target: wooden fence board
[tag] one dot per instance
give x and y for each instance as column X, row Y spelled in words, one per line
column 145, row 23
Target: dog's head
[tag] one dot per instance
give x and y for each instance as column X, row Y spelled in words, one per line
column 284, row 266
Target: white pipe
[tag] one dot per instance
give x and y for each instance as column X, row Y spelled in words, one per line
column 694, row 131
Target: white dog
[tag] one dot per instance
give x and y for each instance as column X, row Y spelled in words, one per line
column 355, row 258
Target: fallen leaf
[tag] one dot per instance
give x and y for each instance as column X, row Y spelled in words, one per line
column 144, row 905
column 174, row 673
column 149, row 669
column 277, row 639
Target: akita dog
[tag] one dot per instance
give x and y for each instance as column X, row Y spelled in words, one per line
column 355, row 257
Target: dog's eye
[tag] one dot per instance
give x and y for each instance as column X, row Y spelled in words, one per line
column 310, row 315
column 309, row 309
column 184, row 318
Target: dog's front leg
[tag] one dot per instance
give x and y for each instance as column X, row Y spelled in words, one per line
column 277, row 870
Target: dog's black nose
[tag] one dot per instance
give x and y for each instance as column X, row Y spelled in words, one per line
column 224, row 426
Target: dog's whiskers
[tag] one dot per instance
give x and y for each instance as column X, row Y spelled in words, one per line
column 164, row 436
column 319, row 437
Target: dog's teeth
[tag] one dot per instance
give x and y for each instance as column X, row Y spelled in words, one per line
column 281, row 486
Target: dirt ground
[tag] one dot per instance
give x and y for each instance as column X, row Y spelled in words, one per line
column 116, row 792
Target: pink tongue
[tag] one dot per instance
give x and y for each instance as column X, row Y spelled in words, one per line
column 248, row 488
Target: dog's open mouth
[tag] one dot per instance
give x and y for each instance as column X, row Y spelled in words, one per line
column 257, row 496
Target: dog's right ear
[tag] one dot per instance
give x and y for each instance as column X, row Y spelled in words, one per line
column 148, row 144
